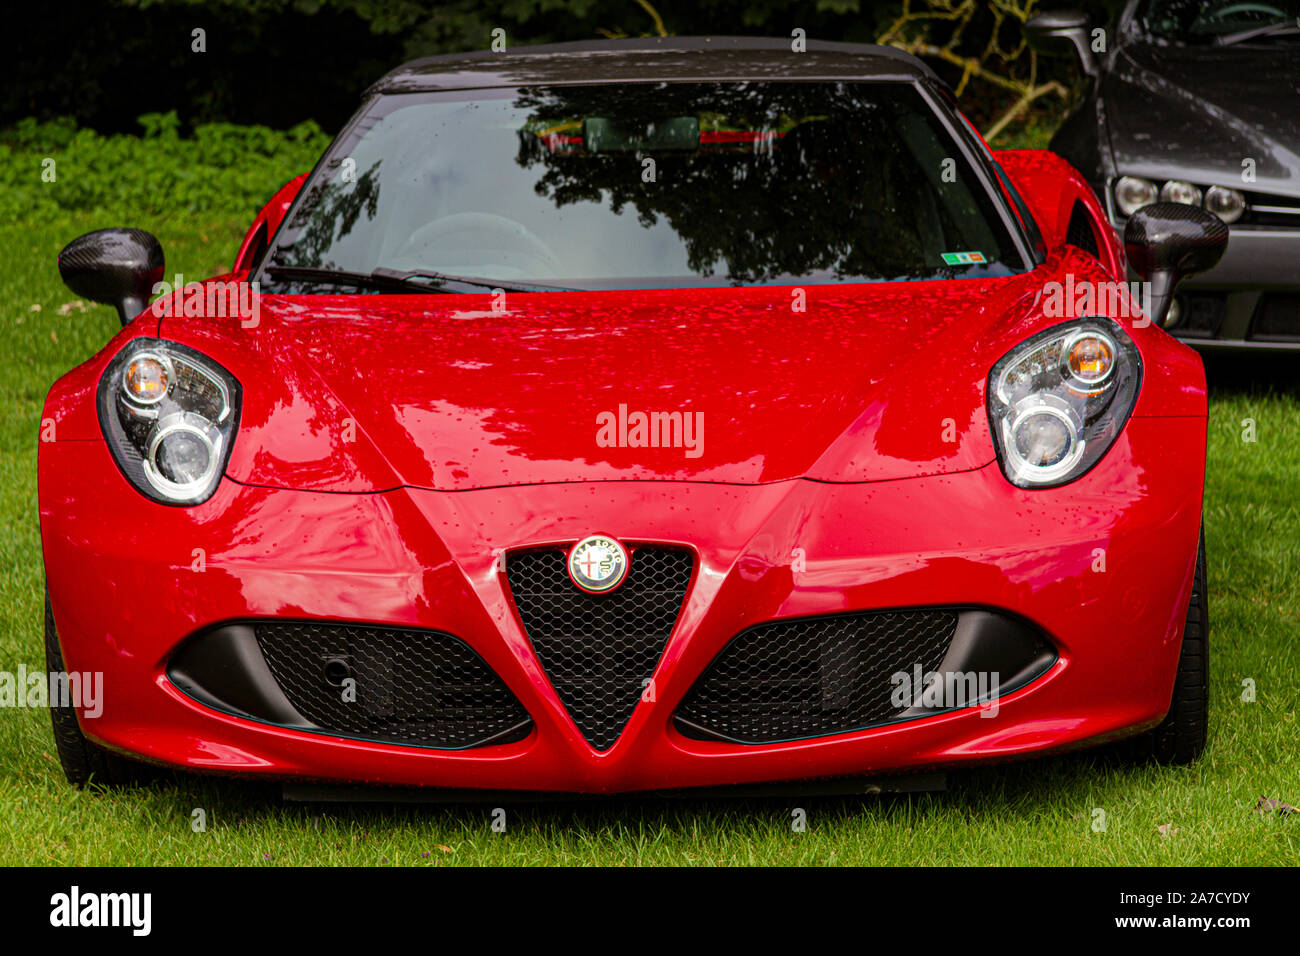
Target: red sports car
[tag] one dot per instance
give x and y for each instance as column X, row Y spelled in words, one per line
column 635, row 416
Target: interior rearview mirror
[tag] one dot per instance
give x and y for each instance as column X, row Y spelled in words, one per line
column 601, row 134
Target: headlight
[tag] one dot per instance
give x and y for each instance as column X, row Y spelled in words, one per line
column 1178, row 191
column 169, row 414
column 1057, row 401
column 1133, row 192
column 1227, row 204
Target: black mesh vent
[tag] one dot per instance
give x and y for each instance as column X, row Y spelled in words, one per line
column 1200, row 314
column 1277, row 317
column 811, row 677
column 599, row 649
column 1079, row 231
column 412, row 687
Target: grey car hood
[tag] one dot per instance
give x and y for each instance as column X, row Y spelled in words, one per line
column 1198, row 112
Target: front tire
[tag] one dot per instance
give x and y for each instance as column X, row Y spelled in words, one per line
column 83, row 762
column 1180, row 737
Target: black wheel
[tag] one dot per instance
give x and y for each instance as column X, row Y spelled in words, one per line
column 1180, row 737
column 83, row 762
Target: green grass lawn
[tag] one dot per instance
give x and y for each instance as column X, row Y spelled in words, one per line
column 1038, row 812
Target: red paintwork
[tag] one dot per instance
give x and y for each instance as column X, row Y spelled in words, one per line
column 475, row 431
column 267, row 222
column 1050, row 187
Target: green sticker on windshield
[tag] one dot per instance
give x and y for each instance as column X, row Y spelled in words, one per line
column 963, row 258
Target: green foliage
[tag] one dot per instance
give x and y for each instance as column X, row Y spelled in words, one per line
column 277, row 62
column 1033, row 130
column 221, row 171
column 455, row 25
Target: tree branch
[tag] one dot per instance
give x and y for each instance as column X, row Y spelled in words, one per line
column 659, row 21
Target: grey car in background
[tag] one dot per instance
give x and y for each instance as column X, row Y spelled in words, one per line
column 1198, row 102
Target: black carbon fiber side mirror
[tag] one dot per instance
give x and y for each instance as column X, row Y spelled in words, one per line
column 1166, row 242
column 117, row 267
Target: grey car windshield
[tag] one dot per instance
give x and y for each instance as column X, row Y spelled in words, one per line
column 1203, row 21
column 649, row 185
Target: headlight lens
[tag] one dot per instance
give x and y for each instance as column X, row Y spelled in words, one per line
column 169, row 414
column 1227, row 204
column 1176, row 190
column 1133, row 192
column 146, row 378
column 1057, row 401
column 1089, row 357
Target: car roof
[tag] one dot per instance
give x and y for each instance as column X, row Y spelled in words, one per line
column 668, row 59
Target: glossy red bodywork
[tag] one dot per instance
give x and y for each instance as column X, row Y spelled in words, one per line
column 475, row 431
column 266, row 223
column 1051, row 188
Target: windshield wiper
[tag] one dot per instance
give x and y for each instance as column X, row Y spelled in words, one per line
column 378, row 281
column 1281, row 28
column 395, row 280
column 439, row 281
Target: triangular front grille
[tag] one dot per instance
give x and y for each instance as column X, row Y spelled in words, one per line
column 599, row 649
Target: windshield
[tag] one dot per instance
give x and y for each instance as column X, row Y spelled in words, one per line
column 648, row 185
column 1204, row 21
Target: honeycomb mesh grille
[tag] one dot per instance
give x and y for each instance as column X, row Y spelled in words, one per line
column 412, row 687
column 599, row 649
column 809, row 678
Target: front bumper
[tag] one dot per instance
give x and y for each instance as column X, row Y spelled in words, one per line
column 1102, row 566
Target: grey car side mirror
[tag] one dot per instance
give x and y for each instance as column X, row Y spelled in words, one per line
column 1051, row 32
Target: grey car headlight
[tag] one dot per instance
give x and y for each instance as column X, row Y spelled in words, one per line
column 1057, row 401
column 169, row 414
column 1134, row 192
column 1228, row 204
column 1177, row 190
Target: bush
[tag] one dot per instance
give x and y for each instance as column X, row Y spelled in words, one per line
column 222, row 171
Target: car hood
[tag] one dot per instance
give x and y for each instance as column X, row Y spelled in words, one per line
column 1198, row 112
column 869, row 382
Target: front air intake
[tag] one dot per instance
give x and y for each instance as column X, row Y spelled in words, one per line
column 819, row 676
column 388, row 684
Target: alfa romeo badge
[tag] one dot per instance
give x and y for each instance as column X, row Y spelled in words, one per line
column 598, row 564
